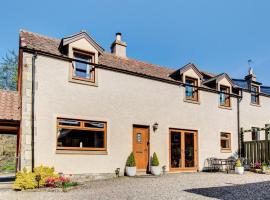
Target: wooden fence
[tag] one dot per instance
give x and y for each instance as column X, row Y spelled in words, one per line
column 257, row 151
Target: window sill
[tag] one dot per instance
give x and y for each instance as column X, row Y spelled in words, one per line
column 83, row 82
column 226, row 151
column 225, row 107
column 191, row 101
column 81, row 152
column 253, row 104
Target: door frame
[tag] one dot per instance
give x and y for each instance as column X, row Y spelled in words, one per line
column 196, row 153
column 148, row 133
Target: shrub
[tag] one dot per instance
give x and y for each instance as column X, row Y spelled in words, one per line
column 238, row 163
column 155, row 161
column 45, row 172
column 27, row 180
column 24, row 180
column 264, row 165
column 60, row 182
column 131, row 160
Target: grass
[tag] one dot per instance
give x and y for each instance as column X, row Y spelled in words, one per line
column 8, row 168
column 70, row 184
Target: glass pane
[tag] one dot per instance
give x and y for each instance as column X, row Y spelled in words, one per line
column 94, row 125
column 82, row 69
column 175, row 149
column 225, row 135
column 139, row 138
column 189, row 91
column 225, row 144
column 80, row 138
column 253, row 98
column 189, row 150
column 222, row 99
column 67, row 122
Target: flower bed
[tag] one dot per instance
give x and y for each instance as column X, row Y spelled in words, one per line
column 42, row 177
column 262, row 168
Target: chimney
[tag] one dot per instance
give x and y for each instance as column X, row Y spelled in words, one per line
column 118, row 47
column 251, row 76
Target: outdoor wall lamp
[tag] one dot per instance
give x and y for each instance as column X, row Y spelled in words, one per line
column 117, row 172
column 155, row 126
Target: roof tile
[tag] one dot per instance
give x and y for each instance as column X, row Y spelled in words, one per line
column 9, row 105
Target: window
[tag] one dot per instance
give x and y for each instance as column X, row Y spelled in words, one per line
column 81, row 134
column 254, row 95
column 191, row 89
column 224, row 97
column 82, row 70
column 255, row 133
column 225, row 141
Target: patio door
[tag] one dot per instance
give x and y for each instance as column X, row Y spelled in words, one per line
column 183, row 150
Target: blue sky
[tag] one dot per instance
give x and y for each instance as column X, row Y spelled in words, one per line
column 217, row 35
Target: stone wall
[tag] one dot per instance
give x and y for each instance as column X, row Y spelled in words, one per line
column 26, row 151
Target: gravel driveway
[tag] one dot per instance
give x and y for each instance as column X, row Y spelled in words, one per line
column 170, row 186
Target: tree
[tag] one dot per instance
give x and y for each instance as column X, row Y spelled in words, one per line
column 9, row 71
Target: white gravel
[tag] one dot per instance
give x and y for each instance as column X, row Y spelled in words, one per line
column 170, row 186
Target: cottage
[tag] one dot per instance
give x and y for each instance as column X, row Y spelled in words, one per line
column 84, row 109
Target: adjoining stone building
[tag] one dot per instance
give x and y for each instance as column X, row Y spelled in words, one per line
column 84, row 109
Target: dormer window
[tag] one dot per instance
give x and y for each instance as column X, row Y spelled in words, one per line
column 191, row 89
column 82, row 70
column 254, row 94
column 224, row 96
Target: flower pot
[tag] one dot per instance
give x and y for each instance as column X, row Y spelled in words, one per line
column 239, row 170
column 131, row 171
column 156, row 170
column 264, row 169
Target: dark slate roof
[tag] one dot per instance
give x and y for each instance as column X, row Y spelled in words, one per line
column 244, row 85
column 241, row 83
column 265, row 89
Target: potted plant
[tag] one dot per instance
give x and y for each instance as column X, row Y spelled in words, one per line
column 155, row 168
column 239, row 169
column 131, row 165
column 264, row 168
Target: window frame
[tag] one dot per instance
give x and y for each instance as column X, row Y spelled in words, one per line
column 227, row 96
column 195, row 89
column 256, row 132
column 255, row 94
column 229, row 139
column 92, row 72
column 81, row 127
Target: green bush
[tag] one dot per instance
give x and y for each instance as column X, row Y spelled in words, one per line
column 155, row 161
column 45, row 172
column 238, row 163
column 27, row 180
column 131, row 160
column 24, row 180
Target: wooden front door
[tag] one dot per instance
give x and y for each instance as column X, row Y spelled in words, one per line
column 141, row 147
column 183, row 150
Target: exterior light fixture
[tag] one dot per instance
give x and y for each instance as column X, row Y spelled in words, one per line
column 117, row 172
column 155, row 126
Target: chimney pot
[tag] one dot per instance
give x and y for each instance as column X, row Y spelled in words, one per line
column 118, row 36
